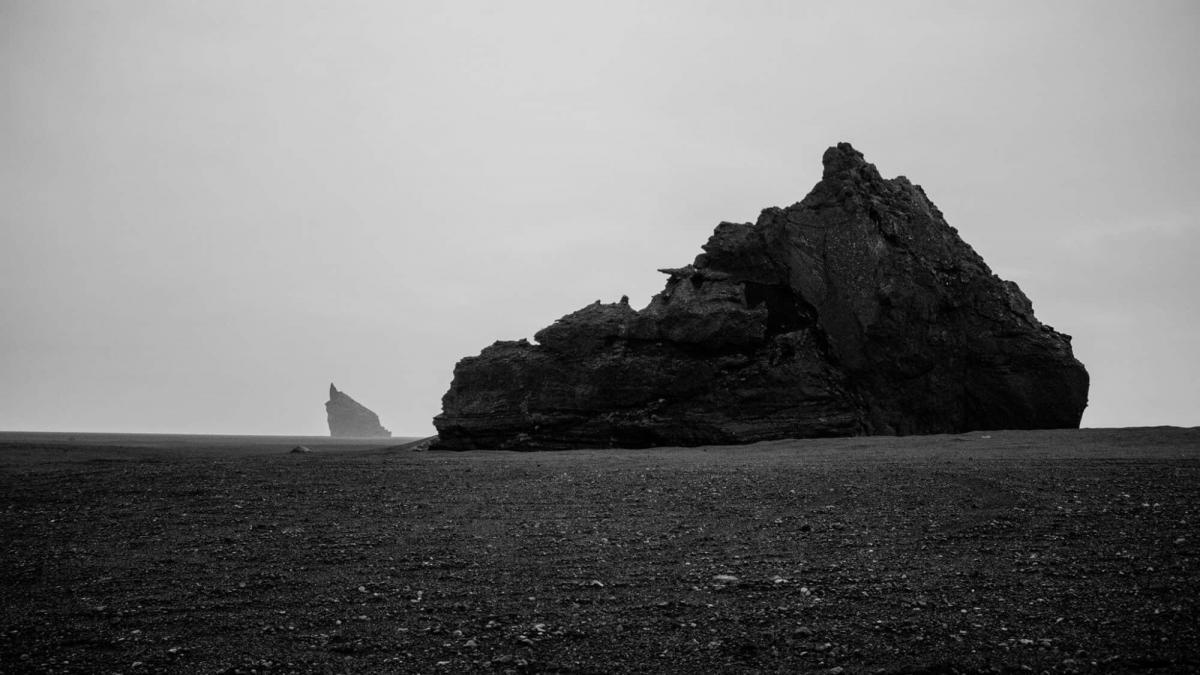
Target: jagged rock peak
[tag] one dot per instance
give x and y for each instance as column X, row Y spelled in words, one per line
column 857, row 310
column 350, row 419
column 843, row 160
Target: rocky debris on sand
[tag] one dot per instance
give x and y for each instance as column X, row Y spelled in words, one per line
column 421, row 445
column 349, row 418
column 858, row 310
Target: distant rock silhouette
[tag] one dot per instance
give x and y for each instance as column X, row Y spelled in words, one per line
column 855, row 311
column 349, row 418
column 299, row 449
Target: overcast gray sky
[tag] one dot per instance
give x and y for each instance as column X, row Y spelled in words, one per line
column 210, row 210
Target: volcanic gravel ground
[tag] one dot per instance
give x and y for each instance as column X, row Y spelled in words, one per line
column 1065, row 551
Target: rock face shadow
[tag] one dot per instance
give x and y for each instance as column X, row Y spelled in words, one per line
column 856, row 311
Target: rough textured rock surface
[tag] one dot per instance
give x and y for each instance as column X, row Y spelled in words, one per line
column 855, row 311
column 350, row 419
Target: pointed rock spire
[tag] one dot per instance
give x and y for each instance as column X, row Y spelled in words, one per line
column 349, row 418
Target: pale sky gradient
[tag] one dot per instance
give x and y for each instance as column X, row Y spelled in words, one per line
column 210, row 210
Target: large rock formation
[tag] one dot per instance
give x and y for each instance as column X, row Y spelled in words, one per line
column 349, row 418
column 855, row 311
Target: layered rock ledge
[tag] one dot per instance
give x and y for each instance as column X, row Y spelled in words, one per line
column 858, row 310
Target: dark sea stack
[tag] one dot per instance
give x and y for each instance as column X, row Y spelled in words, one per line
column 855, row 311
column 350, row 419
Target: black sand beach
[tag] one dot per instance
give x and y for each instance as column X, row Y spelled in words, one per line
column 1049, row 551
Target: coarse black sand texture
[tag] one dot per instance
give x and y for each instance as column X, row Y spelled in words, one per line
column 1047, row 551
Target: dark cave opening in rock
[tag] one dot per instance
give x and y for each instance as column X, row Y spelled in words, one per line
column 785, row 312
